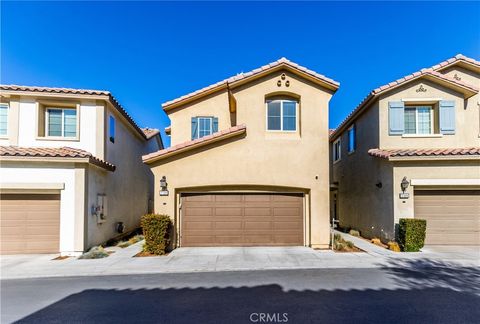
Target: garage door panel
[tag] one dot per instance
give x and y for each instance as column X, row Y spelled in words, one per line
column 29, row 223
column 453, row 217
column 245, row 220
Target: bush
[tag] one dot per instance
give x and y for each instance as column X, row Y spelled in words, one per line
column 96, row 252
column 354, row 232
column 411, row 234
column 156, row 229
column 132, row 240
column 393, row 246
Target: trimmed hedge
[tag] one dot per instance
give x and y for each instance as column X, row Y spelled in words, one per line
column 411, row 234
column 156, row 229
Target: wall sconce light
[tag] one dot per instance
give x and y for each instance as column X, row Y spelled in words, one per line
column 404, row 184
column 379, row 184
column 163, row 186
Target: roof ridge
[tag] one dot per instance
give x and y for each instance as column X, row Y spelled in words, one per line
column 243, row 75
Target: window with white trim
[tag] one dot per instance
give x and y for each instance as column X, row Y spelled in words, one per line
column 352, row 139
column 418, row 120
column 61, row 122
column 337, row 150
column 204, row 126
column 3, row 119
column 282, row 115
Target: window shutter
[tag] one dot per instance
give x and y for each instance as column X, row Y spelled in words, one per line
column 447, row 117
column 194, row 128
column 215, row 125
column 395, row 118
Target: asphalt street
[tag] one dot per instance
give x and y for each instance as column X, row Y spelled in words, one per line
column 420, row 294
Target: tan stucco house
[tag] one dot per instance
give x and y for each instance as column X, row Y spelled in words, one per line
column 411, row 149
column 248, row 162
column 70, row 169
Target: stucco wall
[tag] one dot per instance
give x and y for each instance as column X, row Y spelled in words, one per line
column 260, row 159
column 362, row 205
column 458, row 170
column 72, row 196
column 466, row 116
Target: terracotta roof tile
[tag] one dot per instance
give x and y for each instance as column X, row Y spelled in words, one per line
column 245, row 75
column 111, row 98
column 150, row 132
column 239, row 129
column 52, row 152
column 426, row 71
column 389, row 153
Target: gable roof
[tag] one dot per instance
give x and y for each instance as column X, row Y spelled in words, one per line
column 430, row 73
column 102, row 93
column 460, row 60
column 186, row 146
column 430, row 152
column 242, row 78
column 54, row 152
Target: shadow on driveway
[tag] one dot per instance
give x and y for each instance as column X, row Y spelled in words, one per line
column 236, row 305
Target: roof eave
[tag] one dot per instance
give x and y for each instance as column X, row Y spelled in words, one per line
column 151, row 158
column 53, row 159
column 332, row 86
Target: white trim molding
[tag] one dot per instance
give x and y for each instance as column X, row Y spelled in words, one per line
column 445, row 182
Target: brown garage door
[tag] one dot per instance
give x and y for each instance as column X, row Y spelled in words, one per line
column 453, row 217
column 242, row 219
column 29, row 223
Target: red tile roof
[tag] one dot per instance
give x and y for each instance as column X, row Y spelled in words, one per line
column 150, row 132
column 52, row 152
column 432, row 72
column 227, row 133
column 457, row 58
column 110, row 97
column 389, row 153
column 241, row 76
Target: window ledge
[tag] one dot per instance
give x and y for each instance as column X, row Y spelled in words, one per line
column 337, row 161
column 55, row 138
column 422, row 135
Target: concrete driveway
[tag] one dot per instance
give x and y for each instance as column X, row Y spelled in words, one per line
column 185, row 260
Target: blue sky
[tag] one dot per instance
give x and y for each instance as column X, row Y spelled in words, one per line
column 146, row 53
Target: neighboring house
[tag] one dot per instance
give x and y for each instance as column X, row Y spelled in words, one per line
column 422, row 130
column 71, row 169
column 248, row 162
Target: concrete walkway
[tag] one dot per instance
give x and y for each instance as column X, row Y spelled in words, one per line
column 227, row 259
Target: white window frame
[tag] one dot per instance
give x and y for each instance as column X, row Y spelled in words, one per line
column 432, row 123
column 354, row 139
column 337, row 150
column 8, row 115
column 211, row 125
column 47, row 109
column 281, row 116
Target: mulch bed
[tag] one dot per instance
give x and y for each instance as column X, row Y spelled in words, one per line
column 147, row 254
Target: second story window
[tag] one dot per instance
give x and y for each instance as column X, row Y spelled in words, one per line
column 61, row 122
column 3, row 119
column 418, row 120
column 337, row 150
column 204, row 126
column 282, row 115
column 111, row 129
column 352, row 139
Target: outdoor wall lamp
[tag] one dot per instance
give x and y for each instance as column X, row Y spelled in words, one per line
column 163, row 186
column 379, row 184
column 404, row 184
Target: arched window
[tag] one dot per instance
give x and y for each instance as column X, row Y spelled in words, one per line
column 282, row 114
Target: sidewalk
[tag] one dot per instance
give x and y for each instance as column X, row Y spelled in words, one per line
column 185, row 260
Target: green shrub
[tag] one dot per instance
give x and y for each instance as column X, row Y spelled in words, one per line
column 156, row 229
column 411, row 234
column 132, row 240
column 354, row 232
column 96, row 252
